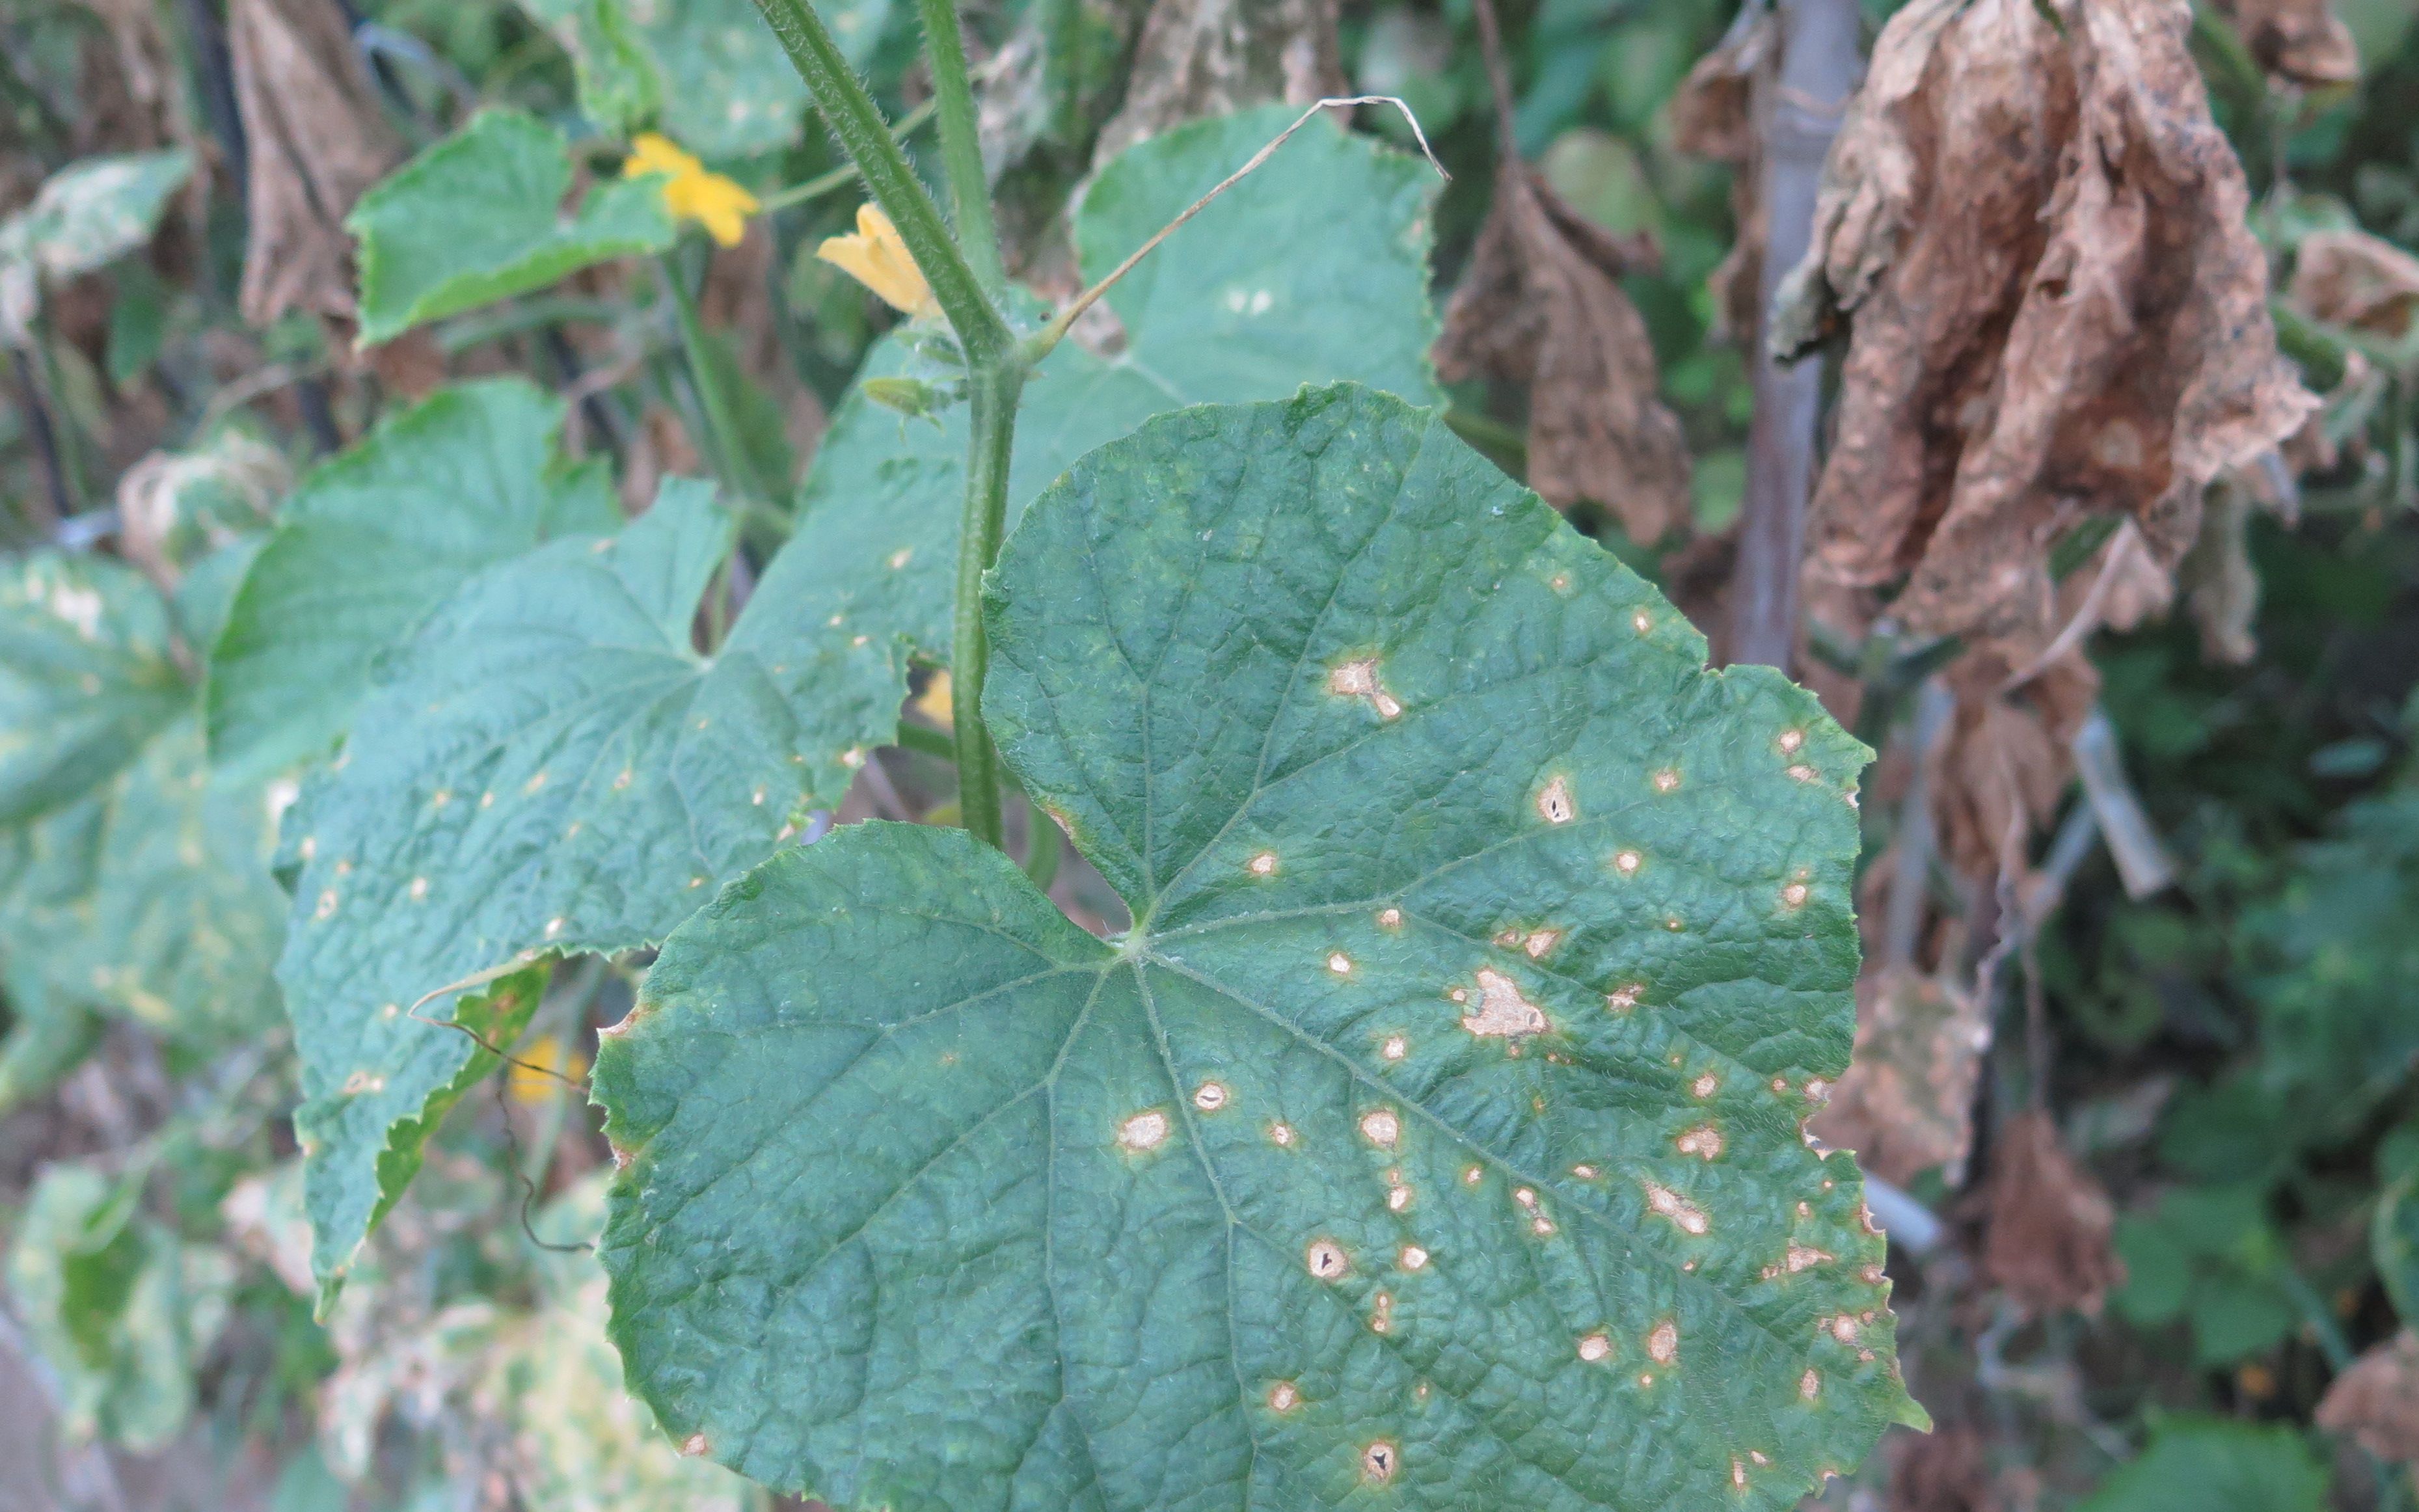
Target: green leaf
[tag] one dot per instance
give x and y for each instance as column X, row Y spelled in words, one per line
column 617, row 87
column 371, row 542
column 474, row 218
column 85, row 215
column 2212, row 1465
column 1438, row 1125
column 119, row 1310
column 2394, row 1246
column 87, row 676
column 550, row 767
column 1314, row 269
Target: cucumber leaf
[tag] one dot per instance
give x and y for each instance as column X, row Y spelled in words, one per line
column 474, row 218
column 1311, row 270
column 1436, row 1130
column 88, row 676
column 550, row 767
column 371, row 542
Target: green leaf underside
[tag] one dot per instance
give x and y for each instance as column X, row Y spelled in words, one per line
column 86, row 678
column 548, row 766
column 931, row 1200
column 374, row 539
column 1311, row 270
column 474, row 218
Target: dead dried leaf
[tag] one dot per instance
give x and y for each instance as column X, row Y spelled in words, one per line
column 1542, row 305
column 2377, row 1400
column 1212, row 57
column 2299, row 41
column 2351, row 278
column 317, row 139
column 2219, row 585
column 1907, row 1104
column 1943, row 1471
column 2033, row 233
column 2003, row 761
column 1713, row 117
column 2049, row 1223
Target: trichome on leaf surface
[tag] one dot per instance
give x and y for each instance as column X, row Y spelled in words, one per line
column 788, row 750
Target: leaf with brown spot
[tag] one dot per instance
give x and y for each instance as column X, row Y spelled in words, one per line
column 2351, row 278
column 2047, row 1240
column 1713, row 118
column 2377, row 1401
column 2034, row 235
column 317, row 139
column 1541, row 305
column 1907, row 1104
column 2299, row 41
column 1197, row 58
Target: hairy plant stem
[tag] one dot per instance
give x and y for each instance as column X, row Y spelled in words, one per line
column 996, row 368
column 993, row 395
column 960, row 147
column 853, row 116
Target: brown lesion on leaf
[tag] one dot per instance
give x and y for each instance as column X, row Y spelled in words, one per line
column 1357, row 679
column 1555, row 805
column 1325, row 1259
column 1502, row 1008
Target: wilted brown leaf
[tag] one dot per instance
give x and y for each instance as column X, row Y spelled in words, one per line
column 1943, row 1471
column 1713, row 117
column 2034, row 233
column 317, row 139
column 1541, row 305
column 2377, row 1400
column 1212, row 57
column 2299, row 41
column 2049, row 1223
column 1907, row 1104
column 2351, row 278
column 1999, row 768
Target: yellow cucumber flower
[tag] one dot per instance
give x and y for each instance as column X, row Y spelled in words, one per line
column 692, row 192
column 875, row 256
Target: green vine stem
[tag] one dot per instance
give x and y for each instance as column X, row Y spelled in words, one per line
column 993, row 394
column 996, row 368
column 846, row 174
column 961, row 146
column 854, row 118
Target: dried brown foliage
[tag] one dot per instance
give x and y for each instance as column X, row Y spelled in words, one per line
column 2036, row 235
column 1945, row 1470
column 2377, row 1400
column 2299, row 41
column 1209, row 57
column 2049, row 1223
column 1713, row 117
column 2351, row 278
column 1906, row 1103
column 1541, row 305
column 317, row 139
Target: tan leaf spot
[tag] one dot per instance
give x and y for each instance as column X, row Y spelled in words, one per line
column 1554, row 803
column 1282, row 1397
column 1667, row 780
column 1390, row 919
column 1705, row 1142
column 1687, row 1215
column 1379, row 1462
column 1340, row 964
column 1810, row 1385
column 1396, row 1047
column 1801, row 1257
column 1281, row 1133
column 1326, row 1260
column 1541, row 942
column 1381, row 1128
column 1143, row 1131
column 1502, row 1009
column 1359, row 680
column 1262, row 865
column 1210, row 1096
column 1663, row 1344
column 1413, row 1257
column 1594, row 1347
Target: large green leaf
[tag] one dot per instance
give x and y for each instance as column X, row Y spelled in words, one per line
column 1311, row 270
column 2195, row 1464
column 1437, row 1127
column 84, row 216
column 120, row 1310
column 87, row 676
column 549, row 767
column 474, row 218
column 372, row 541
